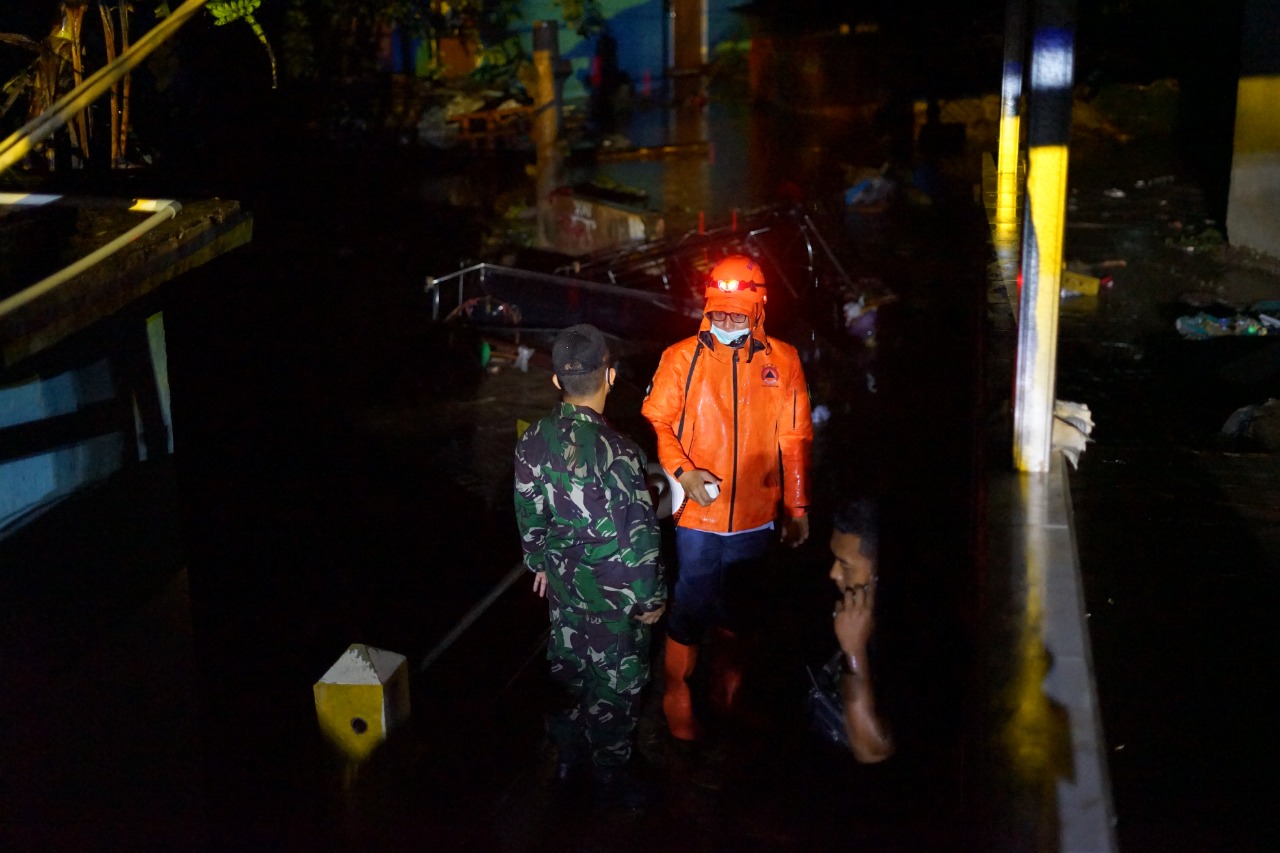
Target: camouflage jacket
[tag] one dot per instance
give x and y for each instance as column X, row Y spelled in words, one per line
column 586, row 517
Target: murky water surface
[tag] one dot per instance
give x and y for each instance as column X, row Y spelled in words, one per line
column 346, row 475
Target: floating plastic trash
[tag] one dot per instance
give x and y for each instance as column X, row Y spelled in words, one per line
column 874, row 190
column 522, row 358
column 1202, row 326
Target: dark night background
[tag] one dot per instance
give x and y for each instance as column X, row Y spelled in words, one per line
column 203, row 111
column 340, row 237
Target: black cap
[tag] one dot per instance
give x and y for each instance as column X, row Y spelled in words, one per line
column 579, row 349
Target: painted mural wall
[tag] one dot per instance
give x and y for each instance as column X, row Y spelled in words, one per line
column 641, row 30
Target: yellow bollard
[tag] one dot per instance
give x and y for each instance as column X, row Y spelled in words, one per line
column 1085, row 285
column 362, row 697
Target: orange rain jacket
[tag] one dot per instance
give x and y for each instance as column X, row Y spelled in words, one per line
column 742, row 414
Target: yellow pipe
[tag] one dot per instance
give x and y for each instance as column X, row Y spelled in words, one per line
column 160, row 209
column 20, row 143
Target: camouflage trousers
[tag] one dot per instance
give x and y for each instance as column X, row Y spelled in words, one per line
column 598, row 670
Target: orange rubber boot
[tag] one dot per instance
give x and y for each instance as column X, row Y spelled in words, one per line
column 726, row 659
column 677, row 701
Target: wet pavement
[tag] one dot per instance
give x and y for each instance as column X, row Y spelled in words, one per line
column 1178, row 527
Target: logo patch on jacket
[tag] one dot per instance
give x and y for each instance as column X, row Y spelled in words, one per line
column 769, row 375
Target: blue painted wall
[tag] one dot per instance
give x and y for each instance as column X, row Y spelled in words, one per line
column 33, row 482
column 28, row 483
column 640, row 30
column 639, row 27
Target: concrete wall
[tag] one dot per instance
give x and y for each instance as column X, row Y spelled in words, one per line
column 31, row 482
column 34, row 480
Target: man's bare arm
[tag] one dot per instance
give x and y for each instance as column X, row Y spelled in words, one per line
column 868, row 735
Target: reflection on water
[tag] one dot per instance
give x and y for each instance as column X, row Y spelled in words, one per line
column 306, row 528
column 756, row 157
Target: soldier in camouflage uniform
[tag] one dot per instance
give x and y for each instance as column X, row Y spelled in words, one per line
column 590, row 536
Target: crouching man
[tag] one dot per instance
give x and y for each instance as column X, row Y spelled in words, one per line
column 855, row 546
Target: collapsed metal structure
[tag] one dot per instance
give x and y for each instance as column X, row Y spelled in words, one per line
column 654, row 288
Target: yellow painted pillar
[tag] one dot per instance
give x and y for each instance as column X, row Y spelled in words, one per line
column 1048, row 129
column 1253, row 204
column 1010, row 148
column 1002, row 180
column 546, row 124
column 363, row 697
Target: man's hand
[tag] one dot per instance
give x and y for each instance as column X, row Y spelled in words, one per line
column 656, row 485
column 652, row 616
column 868, row 735
column 695, row 483
column 854, row 618
column 540, row 584
column 795, row 530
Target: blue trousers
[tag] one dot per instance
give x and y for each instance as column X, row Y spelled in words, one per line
column 703, row 592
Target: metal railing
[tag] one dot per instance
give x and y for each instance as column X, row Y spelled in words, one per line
column 639, row 289
column 495, row 296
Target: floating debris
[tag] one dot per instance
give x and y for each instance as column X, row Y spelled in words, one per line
column 1072, row 424
column 1154, row 182
column 1203, row 326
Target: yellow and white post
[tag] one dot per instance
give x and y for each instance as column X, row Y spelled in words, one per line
column 361, row 699
column 1048, row 130
column 1009, row 153
column 1253, row 205
column 1002, row 180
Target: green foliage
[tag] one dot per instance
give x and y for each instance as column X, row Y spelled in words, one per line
column 1194, row 242
column 584, row 16
column 229, row 11
column 503, row 56
column 226, row 11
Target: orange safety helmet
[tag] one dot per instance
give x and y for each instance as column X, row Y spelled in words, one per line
column 737, row 273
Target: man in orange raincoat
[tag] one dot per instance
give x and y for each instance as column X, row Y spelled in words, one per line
column 731, row 411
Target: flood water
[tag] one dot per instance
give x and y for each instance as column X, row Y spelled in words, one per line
column 342, row 474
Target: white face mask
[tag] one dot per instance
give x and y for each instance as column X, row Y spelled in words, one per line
column 727, row 337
